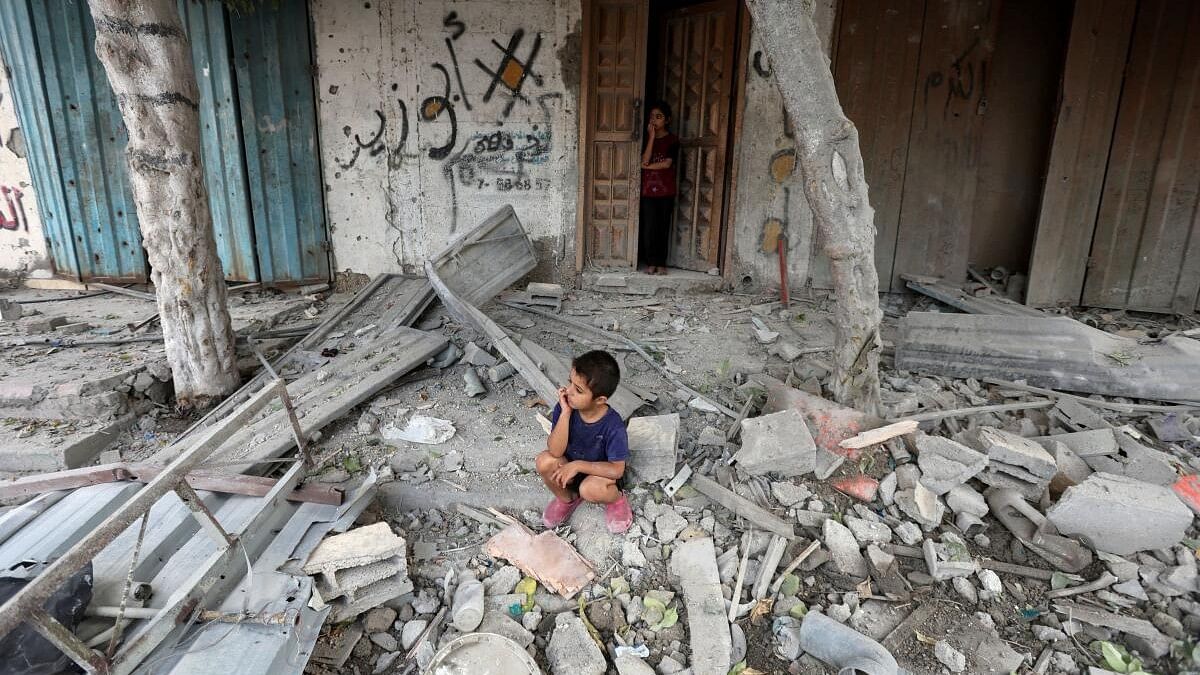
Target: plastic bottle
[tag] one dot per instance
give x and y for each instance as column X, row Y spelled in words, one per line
column 468, row 605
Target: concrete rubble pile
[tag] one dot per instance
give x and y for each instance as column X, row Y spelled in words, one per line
column 982, row 527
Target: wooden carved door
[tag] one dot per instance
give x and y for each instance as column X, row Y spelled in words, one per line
column 615, row 75
column 697, row 62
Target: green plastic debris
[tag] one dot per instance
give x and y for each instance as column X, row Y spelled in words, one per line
column 790, row 585
column 1117, row 658
column 527, row 587
column 798, row 610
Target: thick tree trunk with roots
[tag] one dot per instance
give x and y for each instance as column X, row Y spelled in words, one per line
column 832, row 168
column 149, row 64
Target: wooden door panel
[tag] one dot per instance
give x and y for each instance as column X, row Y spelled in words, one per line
column 878, row 46
column 697, row 78
column 943, row 146
column 616, row 47
column 1146, row 250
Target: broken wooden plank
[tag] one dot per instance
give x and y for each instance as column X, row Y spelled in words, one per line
column 879, row 435
column 1049, row 351
column 470, row 315
column 212, row 481
column 487, row 259
column 959, row 299
column 545, row 557
column 323, row 396
column 742, row 507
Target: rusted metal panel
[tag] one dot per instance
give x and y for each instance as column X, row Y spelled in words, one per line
column 616, row 46
column 89, row 143
column 1146, row 251
column 876, row 75
column 1091, row 90
column 697, row 51
column 273, row 64
column 957, row 43
column 19, row 44
column 221, row 137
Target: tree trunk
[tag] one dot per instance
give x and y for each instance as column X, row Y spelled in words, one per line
column 149, row 64
column 832, row 168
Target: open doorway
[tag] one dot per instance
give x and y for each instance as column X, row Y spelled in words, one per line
column 681, row 52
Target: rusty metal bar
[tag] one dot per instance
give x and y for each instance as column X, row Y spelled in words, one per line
column 281, row 386
column 31, row 597
column 207, row 521
column 60, row 636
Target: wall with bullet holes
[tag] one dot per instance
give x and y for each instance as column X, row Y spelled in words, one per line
column 433, row 113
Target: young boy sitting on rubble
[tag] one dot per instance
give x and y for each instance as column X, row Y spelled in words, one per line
column 584, row 459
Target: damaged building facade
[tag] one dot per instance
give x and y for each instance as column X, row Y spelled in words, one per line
column 1055, row 144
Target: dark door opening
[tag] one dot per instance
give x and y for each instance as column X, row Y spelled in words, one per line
column 674, row 50
column 691, row 65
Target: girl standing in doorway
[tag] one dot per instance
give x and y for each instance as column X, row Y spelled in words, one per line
column 658, row 189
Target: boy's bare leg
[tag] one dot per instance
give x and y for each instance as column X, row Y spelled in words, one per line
column 599, row 490
column 547, row 464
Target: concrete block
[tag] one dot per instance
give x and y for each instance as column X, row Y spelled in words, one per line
column 868, row 531
column 997, row 478
column 571, row 650
column 777, row 443
column 965, row 499
column 1008, row 448
column 653, row 442
column 945, row 463
column 345, row 609
column 1136, row 461
column 695, row 564
column 360, row 546
column 949, row 558
column 9, row 310
column 74, row 328
column 477, row 356
column 843, row 549
column 921, row 505
column 1120, row 515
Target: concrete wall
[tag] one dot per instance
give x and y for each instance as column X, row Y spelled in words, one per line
column 22, row 247
column 420, row 141
column 770, row 199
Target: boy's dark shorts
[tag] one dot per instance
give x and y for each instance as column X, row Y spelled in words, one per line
column 573, row 486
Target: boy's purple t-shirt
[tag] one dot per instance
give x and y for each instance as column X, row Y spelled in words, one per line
column 604, row 440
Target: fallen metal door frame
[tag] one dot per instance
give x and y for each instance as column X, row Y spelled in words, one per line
column 26, row 605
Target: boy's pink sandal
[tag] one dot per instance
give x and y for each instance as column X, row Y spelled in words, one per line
column 618, row 516
column 557, row 512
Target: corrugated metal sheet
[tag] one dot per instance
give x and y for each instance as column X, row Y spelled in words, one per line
column 221, row 137
column 1146, row 251
column 258, row 133
column 19, row 46
column 272, row 59
column 86, row 139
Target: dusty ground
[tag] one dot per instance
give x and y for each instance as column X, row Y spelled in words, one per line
column 708, row 341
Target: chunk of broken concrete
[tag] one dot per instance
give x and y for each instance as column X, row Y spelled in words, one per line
column 945, row 463
column 921, row 505
column 476, row 356
column 1008, row 448
column 965, row 499
column 695, row 564
column 571, row 650
column 776, row 443
column 653, row 442
column 360, row 546
column 1120, row 515
column 829, row 423
column 949, row 558
column 843, row 549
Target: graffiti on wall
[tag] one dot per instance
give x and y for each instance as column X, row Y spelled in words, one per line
column 964, row 80
column 493, row 161
column 15, row 218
